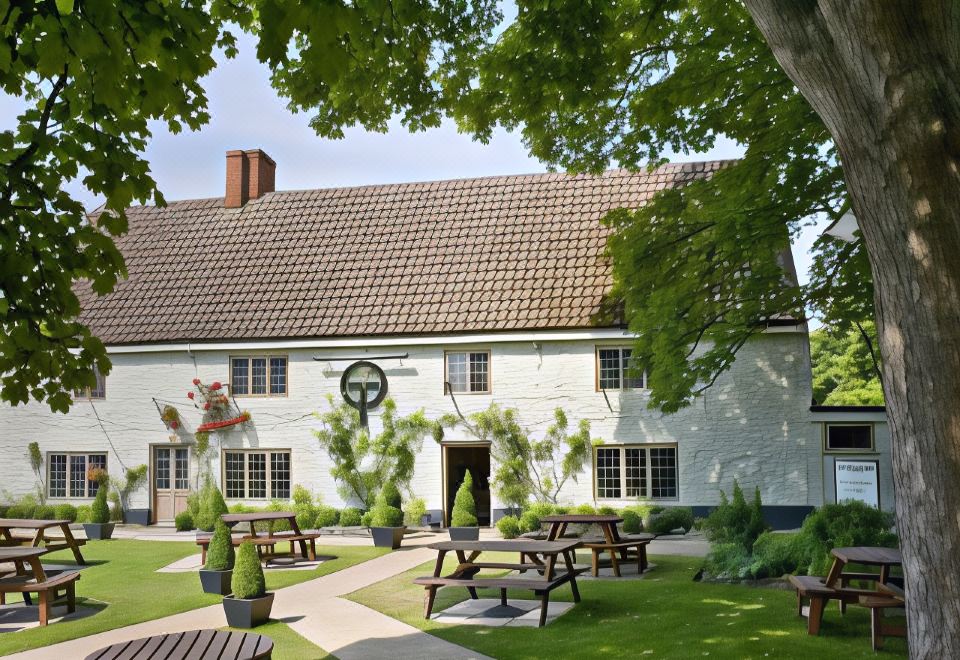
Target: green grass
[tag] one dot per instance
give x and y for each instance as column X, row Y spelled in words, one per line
column 122, row 583
column 664, row 615
column 288, row 644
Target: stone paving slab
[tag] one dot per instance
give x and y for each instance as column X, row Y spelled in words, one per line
column 490, row 612
column 193, row 564
column 15, row 617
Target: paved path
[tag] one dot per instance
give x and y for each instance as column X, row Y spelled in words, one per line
column 315, row 610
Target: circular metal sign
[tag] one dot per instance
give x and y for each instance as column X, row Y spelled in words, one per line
column 363, row 385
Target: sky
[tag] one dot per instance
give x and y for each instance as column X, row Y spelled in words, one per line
column 246, row 113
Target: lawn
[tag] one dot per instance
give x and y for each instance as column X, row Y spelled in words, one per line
column 121, row 581
column 664, row 615
column 289, row 645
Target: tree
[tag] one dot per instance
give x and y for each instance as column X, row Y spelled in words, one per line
column 844, row 371
column 362, row 464
column 526, row 466
column 464, row 507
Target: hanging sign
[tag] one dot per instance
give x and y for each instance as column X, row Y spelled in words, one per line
column 363, row 386
column 857, row 480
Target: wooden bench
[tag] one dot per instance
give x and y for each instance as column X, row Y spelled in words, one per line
column 891, row 597
column 625, row 547
column 541, row 588
column 48, row 590
column 818, row 594
column 266, row 545
column 50, row 543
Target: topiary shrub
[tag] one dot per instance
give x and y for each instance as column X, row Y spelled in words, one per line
column 100, row 510
column 220, row 554
column 631, row 521
column 116, row 508
column 45, row 512
column 509, row 527
column 735, row 521
column 247, row 579
column 184, row 522
column 212, row 506
column 390, row 495
column 384, row 513
column 350, row 517
column 66, row 512
column 464, row 508
column 84, row 513
column 674, row 517
column 414, row 512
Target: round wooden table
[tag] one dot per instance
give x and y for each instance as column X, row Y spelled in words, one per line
column 197, row 644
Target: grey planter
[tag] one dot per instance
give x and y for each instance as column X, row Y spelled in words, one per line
column 387, row 537
column 98, row 531
column 464, row 533
column 215, row 582
column 247, row 612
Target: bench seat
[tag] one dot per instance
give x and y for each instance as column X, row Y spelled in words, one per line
column 625, row 548
column 818, row 594
column 266, row 542
column 47, row 590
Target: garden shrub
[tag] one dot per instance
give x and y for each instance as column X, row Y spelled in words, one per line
column 775, row 554
column 464, row 508
column 212, row 506
column 414, row 512
column 247, row 579
column 184, row 522
column 735, row 521
column 45, row 512
column 193, row 504
column 843, row 525
column 384, row 513
column 728, row 561
column 100, row 510
column 220, row 554
column 327, row 516
column 272, row 526
column 366, row 518
column 304, row 507
column 529, row 522
column 390, row 494
column 606, row 511
column 671, row 518
column 631, row 521
column 509, row 527
column 66, row 512
column 25, row 507
column 84, row 513
column 585, row 510
column 116, row 508
column 350, row 517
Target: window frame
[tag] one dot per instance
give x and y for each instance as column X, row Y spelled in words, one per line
column 95, row 393
column 648, row 472
column 68, row 473
column 268, row 472
column 468, row 352
column 623, row 378
column 249, row 358
column 827, row 449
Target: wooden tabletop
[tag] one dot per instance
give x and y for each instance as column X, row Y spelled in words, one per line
column 586, row 518
column 869, row 555
column 538, row 547
column 257, row 517
column 31, row 524
column 192, row 644
column 14, row 553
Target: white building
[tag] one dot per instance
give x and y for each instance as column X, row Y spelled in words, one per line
column 497, row 285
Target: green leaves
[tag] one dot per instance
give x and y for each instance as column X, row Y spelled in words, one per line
column 844, row 372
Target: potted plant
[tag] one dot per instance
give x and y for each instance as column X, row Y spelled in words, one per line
column 386, row 518
column 249, row 605
column 99, row 526
column 216, row 574
column 463, row 521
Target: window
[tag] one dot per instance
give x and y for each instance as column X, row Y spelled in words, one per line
column 615, row 370
column 469, row 372
column 256, row 475
column 67, row 474
column 98, row 391
column 631, row 471
column 849, row 437
column 258, row 375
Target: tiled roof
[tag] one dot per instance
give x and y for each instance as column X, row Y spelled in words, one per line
column 470, row 255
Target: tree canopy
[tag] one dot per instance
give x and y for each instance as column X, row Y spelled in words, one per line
column 844, row 369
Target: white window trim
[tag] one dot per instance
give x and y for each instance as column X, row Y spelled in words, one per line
column 249, row 359
column 623, row 472
column 827, row 449
column 468, row 352
column 268, row 472
column 86, row 484
column 623, row 371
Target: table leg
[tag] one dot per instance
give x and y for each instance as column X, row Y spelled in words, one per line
column 429, row 597
column 836, row 570
column 551, row 565
column 568, row 560
column 18, row 567
column 815, row 615
column 296, row 530
column 439, row 567
column 37, row 538
column 72, row 542
column 884, row 573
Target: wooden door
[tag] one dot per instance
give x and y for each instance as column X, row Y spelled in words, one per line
column 171, row 482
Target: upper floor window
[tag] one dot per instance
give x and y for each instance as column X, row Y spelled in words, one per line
column 616, row 370
column 258, row 375
column 630, row 471
column 98, row 391
column 67, row 474
column 849, row 437
column 468, row 371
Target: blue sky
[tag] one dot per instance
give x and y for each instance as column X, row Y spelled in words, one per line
column 246, row 113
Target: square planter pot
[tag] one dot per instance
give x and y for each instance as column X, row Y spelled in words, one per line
column 387, row 537
column 247, row 612
column 464, row 533
column 215, row 582
column 98, row 531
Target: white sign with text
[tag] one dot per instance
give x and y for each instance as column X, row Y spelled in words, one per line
column 857, row 480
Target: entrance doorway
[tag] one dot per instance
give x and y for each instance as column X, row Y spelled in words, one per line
column 457, row 460
column 171, row 482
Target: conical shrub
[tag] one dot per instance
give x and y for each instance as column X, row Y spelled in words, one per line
column 247, row 580
column 220, row 554
column 464, row 507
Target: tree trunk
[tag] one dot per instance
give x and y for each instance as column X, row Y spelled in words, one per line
column 884, row 78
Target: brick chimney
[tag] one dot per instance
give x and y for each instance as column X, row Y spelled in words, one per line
column 250, row 174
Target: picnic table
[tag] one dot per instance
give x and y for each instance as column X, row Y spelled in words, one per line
column 540, row 556
column 307, row 542
column 47, row 585
column 40, row 538
column 611, row 542
column 885, row 558
column 198, row 644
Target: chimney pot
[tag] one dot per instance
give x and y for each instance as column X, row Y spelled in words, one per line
column 250, row 174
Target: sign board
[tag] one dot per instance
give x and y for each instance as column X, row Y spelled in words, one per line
column 857, row 480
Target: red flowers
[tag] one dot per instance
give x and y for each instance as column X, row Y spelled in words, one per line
column 215, row 385
column 196, row 381
column 206, row 406
column 190, row 395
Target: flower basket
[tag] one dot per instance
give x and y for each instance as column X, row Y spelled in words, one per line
column 210, row 426
column 215, row 403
